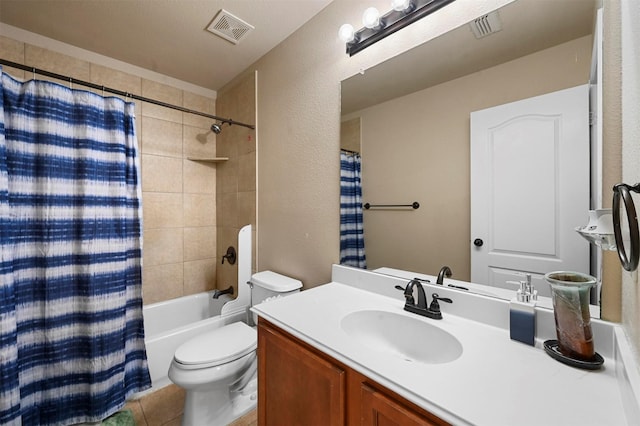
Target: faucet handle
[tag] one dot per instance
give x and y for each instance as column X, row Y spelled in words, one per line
column 435, row 306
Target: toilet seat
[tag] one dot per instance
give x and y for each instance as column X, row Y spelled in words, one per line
column 217, row 347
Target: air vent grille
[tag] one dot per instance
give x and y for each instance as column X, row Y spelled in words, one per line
column 486, row 25
column 229, row 27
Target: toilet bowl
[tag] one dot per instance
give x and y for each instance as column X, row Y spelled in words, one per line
column 217, row 369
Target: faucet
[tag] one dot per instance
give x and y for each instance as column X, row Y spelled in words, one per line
column 433, row 311
column 444, row 271
column 219, row 293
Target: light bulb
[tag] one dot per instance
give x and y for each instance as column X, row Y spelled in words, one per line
column 346, row 33
column 371, row 17
column 400, row 5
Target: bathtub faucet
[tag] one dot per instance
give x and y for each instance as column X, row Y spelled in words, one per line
column 219, row 293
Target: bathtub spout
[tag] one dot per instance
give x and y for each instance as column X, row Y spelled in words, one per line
column 219, row 293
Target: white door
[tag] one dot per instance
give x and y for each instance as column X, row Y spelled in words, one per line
column 530, row 188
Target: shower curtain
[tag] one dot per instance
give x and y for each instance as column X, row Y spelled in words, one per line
column 71, row 331
column 351, row 226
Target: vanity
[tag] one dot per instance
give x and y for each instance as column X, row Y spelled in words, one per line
column 347, row 353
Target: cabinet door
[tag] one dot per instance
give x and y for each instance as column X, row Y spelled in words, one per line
column 296, row 386
column 379, row 410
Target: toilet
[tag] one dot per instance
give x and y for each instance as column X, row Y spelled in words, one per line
column 218, row 368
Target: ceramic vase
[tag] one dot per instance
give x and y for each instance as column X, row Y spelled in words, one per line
column 570, row 292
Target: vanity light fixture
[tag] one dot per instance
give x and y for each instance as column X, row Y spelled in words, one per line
column 376, row 27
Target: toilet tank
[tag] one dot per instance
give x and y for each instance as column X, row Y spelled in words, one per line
column 271, row 284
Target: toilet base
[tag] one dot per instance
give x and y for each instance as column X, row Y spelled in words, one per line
column 199, row 409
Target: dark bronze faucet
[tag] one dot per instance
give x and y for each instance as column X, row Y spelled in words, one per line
column 420, row 308
column 444, row 271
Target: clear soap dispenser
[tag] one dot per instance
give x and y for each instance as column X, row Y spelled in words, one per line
column 522, row 312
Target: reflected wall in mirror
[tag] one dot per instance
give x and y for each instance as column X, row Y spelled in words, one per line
column 410, row 120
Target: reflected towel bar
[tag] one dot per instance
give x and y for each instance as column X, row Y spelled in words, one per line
column 415, row 205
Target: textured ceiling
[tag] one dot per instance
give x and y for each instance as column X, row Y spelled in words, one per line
column 165, row 36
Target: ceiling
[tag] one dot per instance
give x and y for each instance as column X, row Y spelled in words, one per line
column 528, row 26
column 165, row 36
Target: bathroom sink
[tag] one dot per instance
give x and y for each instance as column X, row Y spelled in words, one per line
column 411, row 339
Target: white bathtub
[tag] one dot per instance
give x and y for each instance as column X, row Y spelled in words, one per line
column 170, row 323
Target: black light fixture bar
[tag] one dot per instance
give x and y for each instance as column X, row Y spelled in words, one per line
column 392, row 22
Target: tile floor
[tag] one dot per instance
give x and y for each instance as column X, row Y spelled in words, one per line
column 164, row 408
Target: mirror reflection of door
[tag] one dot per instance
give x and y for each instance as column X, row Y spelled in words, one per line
column 530, row 188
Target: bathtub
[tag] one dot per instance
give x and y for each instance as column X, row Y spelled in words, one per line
column 170, row 323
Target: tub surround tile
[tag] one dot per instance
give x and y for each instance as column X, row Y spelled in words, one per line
column 199, row 177
column 247, row 208
column 162, row 210
column 115, row 79
column 57, row 63
column 163, row 246
column 161, row 137
column 161, row 174
column 198, row 142
column 199, row 243
column 247, row 172
column 162, row 282
column 228, row 215
column 199, row 210
column 199, row 276
column 198, row 103
column 164, row 93
column 13, row 51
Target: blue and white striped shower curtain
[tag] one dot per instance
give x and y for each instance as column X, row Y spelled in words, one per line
column 71, row 332
column 351, row 224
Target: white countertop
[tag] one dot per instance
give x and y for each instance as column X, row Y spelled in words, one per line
column 496, row 381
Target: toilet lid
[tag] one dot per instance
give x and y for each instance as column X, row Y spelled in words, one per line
column 218, row 346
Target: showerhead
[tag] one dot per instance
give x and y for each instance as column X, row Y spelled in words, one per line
column 216, row 128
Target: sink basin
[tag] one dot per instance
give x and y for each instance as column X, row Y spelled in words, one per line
column 408, row 338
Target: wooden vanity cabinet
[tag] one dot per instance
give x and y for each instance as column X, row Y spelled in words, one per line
column 299, row 385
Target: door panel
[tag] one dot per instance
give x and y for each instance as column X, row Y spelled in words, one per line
column 530, row 187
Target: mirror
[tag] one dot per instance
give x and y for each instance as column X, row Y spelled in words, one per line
column 409, row 119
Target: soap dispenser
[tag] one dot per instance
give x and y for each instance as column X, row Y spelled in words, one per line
column 522, row 312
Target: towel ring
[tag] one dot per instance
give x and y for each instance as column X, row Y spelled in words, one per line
column 629, row 260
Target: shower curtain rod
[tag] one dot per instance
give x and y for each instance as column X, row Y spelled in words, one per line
column 121, row 93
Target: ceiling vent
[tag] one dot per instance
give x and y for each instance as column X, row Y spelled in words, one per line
column 229, row 27
column 486, row 25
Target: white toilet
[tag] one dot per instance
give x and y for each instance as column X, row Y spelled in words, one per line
column 218, row 369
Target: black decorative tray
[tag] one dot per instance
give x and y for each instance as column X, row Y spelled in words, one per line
column 552, row 349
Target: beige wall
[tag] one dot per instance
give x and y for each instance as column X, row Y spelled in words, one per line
column 299, row 131
column 416, row 148
column 236, row 178
column 179, row 196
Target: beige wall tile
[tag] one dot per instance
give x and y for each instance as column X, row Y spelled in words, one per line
column 247, row 172
column 198, row 142
column 57, row 63
column 116, row 79
column 162, row 282
column 199, row 276
column 161, row 137
column 199, row 243
column 228, row 212
column 201, row 104
column 199, row 210
column 12, row 50
column 227, row 177
column 163, row 246
column 199, row 177
column 246, row 208
column 161, row 92
column 162, row 210
column 161, row 174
